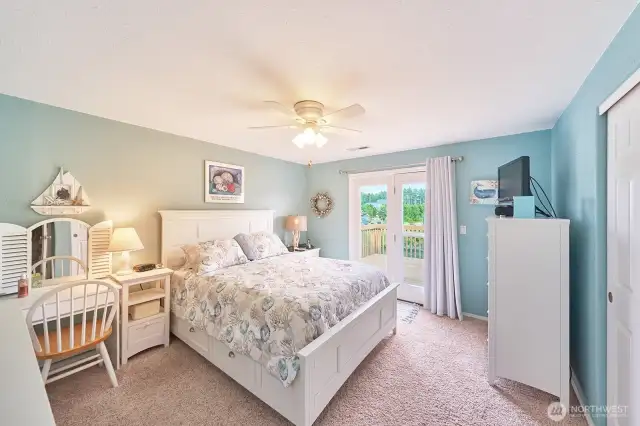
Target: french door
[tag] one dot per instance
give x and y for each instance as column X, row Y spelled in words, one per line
column 386, row 226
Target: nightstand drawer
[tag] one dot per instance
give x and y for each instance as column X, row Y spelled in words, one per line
column 145, row 334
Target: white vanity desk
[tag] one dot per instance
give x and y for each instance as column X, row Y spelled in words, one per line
column 56, row 251
column 23, row 398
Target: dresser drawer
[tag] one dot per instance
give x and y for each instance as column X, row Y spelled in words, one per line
column 145, row 334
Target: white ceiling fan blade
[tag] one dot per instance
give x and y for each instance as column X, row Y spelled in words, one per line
column 339, row 129
column 286, row 126
column 348, row 112
column 288, row 111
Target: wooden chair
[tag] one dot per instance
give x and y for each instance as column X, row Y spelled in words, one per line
column 68, row 269
column 68, row 340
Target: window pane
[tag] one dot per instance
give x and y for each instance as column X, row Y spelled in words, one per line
column 413, row 231
column 373, row 225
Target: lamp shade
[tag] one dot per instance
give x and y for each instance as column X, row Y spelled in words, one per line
column 296, row 223
column 125, row 239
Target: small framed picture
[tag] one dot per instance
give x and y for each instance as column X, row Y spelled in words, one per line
column 223, row 183
column 484, row 192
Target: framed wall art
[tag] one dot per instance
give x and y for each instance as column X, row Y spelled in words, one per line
column 223, row 183
column 484, row 192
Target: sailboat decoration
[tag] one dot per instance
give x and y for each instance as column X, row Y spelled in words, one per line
column 64, row 196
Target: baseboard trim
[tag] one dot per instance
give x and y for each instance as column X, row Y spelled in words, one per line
column 577, row 388
column 478, row 317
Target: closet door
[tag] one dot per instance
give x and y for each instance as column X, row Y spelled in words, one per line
column 623, row 249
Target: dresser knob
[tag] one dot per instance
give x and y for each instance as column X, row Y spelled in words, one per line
column 232, row 355
column 191, row 329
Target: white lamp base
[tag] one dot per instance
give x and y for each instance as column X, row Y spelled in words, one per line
column 296, row 239
column 125, row 267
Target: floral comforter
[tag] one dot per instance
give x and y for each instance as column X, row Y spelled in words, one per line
column 271, row 308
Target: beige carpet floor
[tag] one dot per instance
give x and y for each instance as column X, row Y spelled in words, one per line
column 433, row 372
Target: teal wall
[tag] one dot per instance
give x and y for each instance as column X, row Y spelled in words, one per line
column 481, row 161
column 579, row 152
column 128, row 172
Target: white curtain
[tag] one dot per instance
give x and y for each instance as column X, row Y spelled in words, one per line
column 442, row 283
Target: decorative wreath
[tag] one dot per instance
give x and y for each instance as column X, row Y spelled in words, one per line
column 321, row 204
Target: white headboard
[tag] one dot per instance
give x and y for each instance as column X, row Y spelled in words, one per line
column 181, row 227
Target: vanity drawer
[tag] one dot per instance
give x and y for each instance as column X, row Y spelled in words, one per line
column 145, row 334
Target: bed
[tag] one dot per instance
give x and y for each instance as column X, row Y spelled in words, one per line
column 322, row 366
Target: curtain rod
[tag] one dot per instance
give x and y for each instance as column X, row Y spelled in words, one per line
column 382, row 169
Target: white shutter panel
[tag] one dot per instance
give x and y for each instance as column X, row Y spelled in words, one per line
column 99, row 257
column 14, row 256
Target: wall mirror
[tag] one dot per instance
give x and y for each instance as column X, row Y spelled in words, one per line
column 59, row 252
column 52, row 252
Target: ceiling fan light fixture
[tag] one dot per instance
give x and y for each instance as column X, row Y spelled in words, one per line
column 309, row 137
column 299, row 140
column 320, row 140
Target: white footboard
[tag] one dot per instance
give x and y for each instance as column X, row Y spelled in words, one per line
column 325, row 364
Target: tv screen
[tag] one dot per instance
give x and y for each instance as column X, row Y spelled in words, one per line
column 513, row 179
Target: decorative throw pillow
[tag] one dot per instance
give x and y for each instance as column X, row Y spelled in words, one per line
column 176, row 258
column 219, row 254
column 191, row 255
column 259, row 245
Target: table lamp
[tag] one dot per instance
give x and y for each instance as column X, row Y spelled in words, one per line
column 295, row 224
column 124, row 240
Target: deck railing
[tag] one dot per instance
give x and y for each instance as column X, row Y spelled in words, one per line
column 374, row 240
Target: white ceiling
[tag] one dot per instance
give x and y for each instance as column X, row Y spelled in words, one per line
column 428, row 72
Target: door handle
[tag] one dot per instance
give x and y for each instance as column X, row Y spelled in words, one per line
column 610, row 297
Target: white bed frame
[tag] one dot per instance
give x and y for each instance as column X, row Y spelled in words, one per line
column 325, row 364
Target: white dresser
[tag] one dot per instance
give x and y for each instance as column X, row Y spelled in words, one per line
column 529, row 303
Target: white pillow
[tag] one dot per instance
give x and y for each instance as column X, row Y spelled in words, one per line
column 259, row 245
column 176, row 258
column 191, row 253
column 219, row 254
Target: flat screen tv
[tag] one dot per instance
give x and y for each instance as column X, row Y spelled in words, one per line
column 513, row 179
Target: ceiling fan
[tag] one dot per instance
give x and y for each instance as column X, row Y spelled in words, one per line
column 309, row 117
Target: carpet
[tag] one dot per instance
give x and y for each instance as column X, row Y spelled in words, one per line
column 433, row 372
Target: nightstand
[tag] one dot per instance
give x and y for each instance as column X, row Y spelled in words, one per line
column 149, row 331
column 314, row 252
